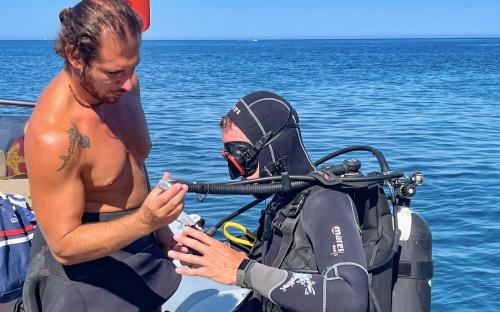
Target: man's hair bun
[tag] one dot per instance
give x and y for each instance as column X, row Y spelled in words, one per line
column 64, row 14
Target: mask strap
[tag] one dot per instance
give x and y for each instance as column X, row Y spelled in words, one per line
column 278, row 166
column 270, row 137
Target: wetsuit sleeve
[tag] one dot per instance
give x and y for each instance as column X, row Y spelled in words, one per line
column 342, row 284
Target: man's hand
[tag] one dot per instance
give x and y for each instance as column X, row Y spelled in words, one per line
column 162, row 207
column 165, row 239
column 217, row 261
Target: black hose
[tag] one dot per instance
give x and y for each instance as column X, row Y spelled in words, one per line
column 384, row 167
column 252, row 189
column 211, row 231
column 263, row 186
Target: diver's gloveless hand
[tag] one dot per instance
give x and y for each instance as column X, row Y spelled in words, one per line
column 161, row 207
column 217, row 261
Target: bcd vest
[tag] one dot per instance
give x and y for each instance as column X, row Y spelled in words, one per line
column 281, row 220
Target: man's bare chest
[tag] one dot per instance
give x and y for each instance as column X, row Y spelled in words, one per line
column 115, row 154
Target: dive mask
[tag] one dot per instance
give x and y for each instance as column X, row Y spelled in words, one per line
column 239, row 159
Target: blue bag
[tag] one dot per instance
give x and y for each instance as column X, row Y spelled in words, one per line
column 17, row 224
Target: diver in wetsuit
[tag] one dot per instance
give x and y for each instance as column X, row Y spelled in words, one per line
column 308, row 255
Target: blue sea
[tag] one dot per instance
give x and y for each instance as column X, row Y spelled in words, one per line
column 430, row 105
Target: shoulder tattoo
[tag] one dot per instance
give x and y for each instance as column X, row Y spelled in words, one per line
column 76, row 139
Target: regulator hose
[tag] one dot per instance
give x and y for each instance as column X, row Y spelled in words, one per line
column 211, row 231
column 263, row 186
column 384, row 167
column 248, row 189
column 285, row 183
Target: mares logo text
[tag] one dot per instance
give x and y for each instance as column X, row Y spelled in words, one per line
column 338, row 246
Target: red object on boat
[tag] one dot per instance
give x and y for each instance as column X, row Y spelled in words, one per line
column 141, row 7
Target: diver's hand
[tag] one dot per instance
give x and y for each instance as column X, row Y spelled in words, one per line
column 161, row 207
column 217, row 261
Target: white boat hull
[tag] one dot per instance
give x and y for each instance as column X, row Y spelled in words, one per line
column 199, row 294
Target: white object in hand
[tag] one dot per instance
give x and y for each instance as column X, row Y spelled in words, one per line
column 165, row 185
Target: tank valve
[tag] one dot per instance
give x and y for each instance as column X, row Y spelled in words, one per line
column 418, row 178
column 406, row 187
column 408, row 191
column 352, row 166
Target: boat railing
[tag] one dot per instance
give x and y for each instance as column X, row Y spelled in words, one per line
column 17, row 103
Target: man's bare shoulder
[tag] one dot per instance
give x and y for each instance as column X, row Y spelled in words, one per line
column 54, row 151
column 53, row 136
column 51, row 111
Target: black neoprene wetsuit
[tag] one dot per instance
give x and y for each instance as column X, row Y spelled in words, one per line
column 136, row 278
column 341, row 280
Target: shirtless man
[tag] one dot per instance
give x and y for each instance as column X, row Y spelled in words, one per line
column 86, row 144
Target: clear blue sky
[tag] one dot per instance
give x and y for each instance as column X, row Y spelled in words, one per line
column 246, row 19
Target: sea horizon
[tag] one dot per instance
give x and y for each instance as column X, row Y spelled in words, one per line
column 458, row 37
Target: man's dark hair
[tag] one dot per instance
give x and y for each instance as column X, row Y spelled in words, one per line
column 82, row 26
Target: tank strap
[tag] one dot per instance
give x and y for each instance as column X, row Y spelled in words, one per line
column 287, row 221
column 416, row 269
column 287, row 227
column 268, row 216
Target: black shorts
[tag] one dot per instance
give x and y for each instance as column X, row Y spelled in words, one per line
column 137, row 278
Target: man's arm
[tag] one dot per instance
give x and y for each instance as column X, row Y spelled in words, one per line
column 58, row 200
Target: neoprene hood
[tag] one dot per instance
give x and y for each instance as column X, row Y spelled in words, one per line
column 262, row 112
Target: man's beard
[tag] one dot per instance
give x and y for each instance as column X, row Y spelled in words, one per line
column 89, row 85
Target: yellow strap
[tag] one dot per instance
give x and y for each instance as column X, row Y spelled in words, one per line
column 237, row 239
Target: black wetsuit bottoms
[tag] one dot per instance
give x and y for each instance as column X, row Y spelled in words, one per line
column 136, row 278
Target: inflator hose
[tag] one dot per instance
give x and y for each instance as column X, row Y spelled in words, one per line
column 281, row 184
column 254, row 187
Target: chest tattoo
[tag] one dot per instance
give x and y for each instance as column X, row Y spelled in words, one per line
column 76, row 139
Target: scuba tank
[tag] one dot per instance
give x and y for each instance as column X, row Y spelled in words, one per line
column 403, row 284
column 412, row 288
